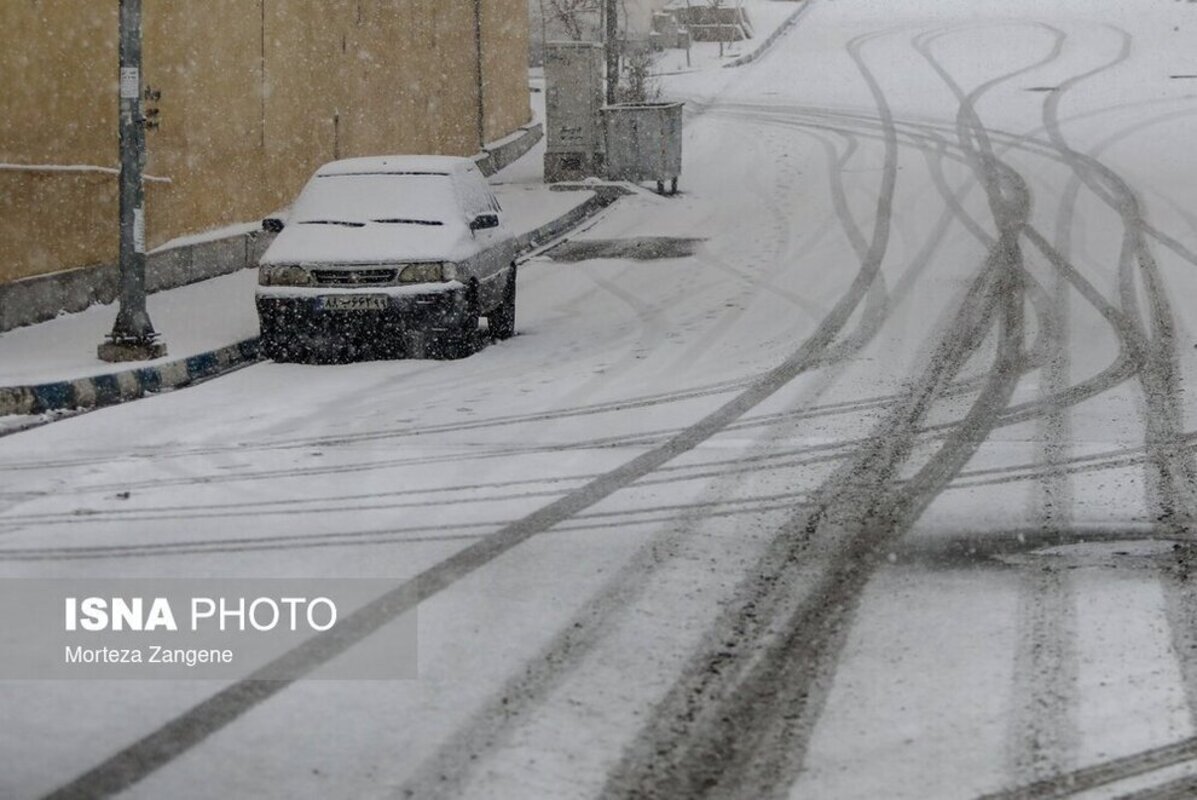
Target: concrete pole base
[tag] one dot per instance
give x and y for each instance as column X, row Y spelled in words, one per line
column 130, row 351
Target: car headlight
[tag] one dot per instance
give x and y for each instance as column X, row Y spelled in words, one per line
column 428, row 273
column 287, row 275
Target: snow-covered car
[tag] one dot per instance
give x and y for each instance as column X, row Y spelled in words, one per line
column 398, row 254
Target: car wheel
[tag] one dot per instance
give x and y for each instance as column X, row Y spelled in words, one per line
column 449, row 344
column 502, row 319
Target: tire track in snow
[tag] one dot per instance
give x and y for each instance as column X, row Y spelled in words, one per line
column 1179, row 585
column 415, row 533
column 776, row 459
column 610, row 407
column 1125, row 365
column 1106, row 774
column 934, row 150
column 188, row 729
column 1049, row 589
column 653, row 325
column 1057, row 604
column 738, row 720
column 492, row 726
column 755, row 283
column 1174, row 472
column 881, row 302
column 877, row 302
column 1043, row 732
column 736, row 723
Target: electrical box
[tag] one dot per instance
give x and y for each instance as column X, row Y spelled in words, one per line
column 573, row 73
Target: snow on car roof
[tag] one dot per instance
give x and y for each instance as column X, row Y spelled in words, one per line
column 442, row 165
column 373, row 196
column 369, row 210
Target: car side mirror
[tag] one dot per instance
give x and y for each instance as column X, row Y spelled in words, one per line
column 273, row 225
column 484, row 221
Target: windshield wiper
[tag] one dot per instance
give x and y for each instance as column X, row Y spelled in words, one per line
column 402, row 221
column 332, row 222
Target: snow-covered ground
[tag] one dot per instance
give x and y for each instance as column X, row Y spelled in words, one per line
column 765, row 17
column 208, row 315
column 885, row 491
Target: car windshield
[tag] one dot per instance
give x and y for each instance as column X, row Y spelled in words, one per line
column 355, row 199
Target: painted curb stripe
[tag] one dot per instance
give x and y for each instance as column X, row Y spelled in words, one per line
column 150, row 379
column 53, row 395
column 117, row 387
column 201, row 365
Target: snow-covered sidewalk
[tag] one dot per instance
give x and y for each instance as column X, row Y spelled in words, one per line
column 765, row 17
column 209, row 315
column 219, row 312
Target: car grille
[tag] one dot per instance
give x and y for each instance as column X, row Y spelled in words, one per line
column 355, row 277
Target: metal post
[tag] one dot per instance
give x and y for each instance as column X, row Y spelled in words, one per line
column 544, row 32
column 612, row 43
column 479, row 77
column 688, row 23
column 133, row 337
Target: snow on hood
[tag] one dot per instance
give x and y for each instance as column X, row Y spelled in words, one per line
column 368, row 216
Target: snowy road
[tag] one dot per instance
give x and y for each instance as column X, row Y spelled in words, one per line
column 887, row 490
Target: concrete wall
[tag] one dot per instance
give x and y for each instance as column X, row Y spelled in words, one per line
column 255, row 95
column 42, row 297
column 505, row 34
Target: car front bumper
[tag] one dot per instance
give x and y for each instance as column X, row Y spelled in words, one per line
column 299, row 314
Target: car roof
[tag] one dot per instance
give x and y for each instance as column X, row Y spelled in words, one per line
column 398, row 165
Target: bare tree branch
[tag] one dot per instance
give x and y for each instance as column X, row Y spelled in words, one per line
column 570, row 13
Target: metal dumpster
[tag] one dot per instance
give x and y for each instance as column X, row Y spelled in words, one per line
column 644, row 142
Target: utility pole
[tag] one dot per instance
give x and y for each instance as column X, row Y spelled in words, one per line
column 544, row 32
column 133, row 337
column 479, row 78
column 612, row 43
column 689, row 18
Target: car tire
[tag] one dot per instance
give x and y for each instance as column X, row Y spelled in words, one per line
column 457, row 342
column 502, row 319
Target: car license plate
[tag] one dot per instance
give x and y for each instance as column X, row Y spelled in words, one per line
column 354, row 302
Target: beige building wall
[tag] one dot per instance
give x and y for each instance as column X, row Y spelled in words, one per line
column 505, row 35
column 255, row 95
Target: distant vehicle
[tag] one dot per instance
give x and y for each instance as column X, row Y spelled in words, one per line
column 398, row 254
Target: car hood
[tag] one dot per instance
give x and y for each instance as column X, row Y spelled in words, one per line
column 372, row 243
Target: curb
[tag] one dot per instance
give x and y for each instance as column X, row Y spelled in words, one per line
column 119, row 387
column 604, row 195
column 133, row 384
column 782, row 29
column 506, row 151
